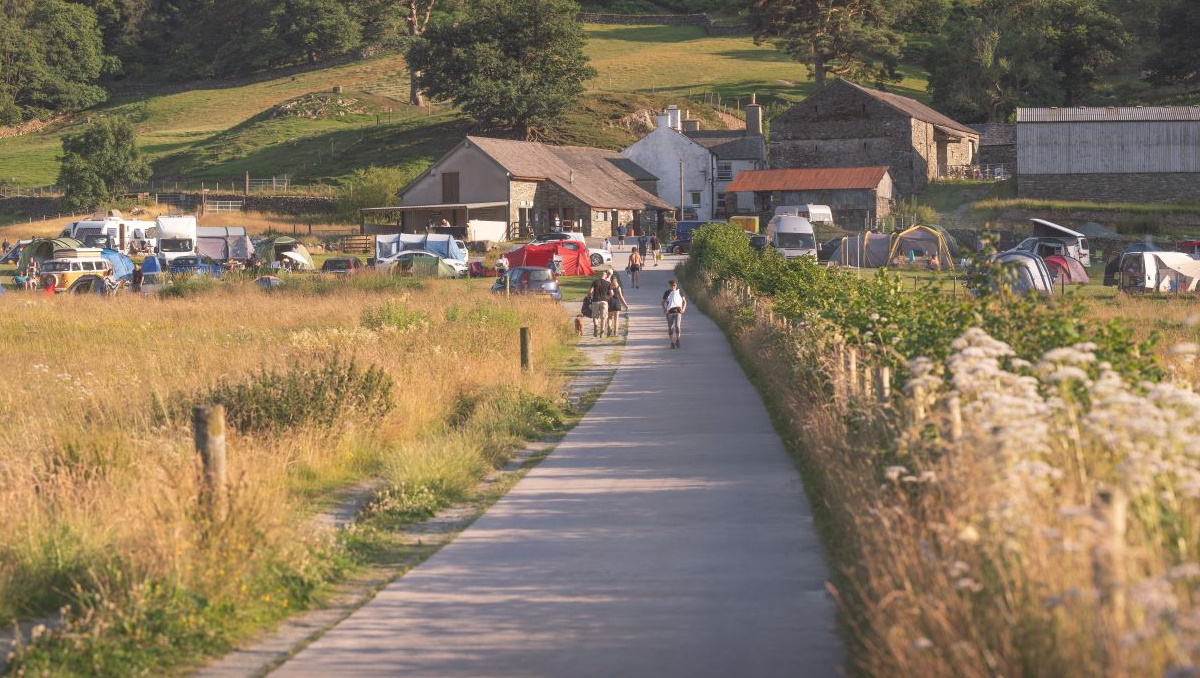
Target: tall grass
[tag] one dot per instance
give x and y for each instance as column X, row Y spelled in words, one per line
column 98, row 480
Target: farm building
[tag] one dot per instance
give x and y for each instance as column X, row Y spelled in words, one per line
column 997, row 155
column 707, row 159
column 858, row 196
column 847, row 125
column 1114, row 154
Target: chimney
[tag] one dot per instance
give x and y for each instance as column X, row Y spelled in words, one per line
column 673, row 117
column 691, row 125
column 753, row 117
column 662, row 120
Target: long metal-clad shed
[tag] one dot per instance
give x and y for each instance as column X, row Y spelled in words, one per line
column 1113, row 154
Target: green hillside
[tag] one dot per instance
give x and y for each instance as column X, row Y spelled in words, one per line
column 219, row 132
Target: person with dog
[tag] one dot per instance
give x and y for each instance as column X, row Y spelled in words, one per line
column 673, row 305
column 615, row 304
column 599, row 294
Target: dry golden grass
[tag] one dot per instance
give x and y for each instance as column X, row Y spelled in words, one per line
column 96, row 466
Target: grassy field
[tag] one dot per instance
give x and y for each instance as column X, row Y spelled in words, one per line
column 99, row 487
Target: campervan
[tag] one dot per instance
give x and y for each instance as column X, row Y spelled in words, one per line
column 176, row 237
column 817, row 215
column 1050, row 239
column 792, row 236
column 112, row 232
column 1158, row 272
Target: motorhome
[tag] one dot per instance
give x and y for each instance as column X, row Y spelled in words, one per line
column 176, row 236
column 1050, row 239
column 112, row 232
column 817, row 215
column 792, row 236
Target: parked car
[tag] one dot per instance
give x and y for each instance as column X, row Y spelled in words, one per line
column 342, row 265
column 195, row 264
column 597, row 257
column 407, row 257
column 529, row 280
column 758, row 241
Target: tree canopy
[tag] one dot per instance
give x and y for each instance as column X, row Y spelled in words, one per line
column 100, row 162
column 514, row 65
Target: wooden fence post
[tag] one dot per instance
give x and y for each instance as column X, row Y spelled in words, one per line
column 526, row 350
column 852, row 371
column 209, row 432
column 883, row 380
column 1110, row 508
column 956, row 422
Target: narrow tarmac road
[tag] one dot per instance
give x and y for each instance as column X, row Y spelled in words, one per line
column 667, row 535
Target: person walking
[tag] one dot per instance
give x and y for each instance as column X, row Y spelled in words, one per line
column 643, row 244
column 654, row 251
column 599, row 294
column 673, row 305
column 616, row 303
column 621, row 235
column 635, row 267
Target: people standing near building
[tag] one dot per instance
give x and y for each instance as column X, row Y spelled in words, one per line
column 620, row 235
column 615, row 304
column 599, row 294
column 655, row 252
column 635, row 267
column 673, row 305
column 642, row 245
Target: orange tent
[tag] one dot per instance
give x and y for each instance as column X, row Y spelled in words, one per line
column 572, row 257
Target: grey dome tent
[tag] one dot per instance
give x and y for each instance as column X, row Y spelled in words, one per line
column 1023, row 272
column 864, row 250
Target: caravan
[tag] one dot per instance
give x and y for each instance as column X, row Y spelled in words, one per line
column 112, row 232
column 817, row 215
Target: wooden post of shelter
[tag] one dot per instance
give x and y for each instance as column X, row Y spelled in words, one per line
column 526, row 350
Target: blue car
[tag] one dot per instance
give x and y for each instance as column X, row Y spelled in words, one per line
column 197, row 264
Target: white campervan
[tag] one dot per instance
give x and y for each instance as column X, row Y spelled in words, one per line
column 1050, row 239
column 792, row 236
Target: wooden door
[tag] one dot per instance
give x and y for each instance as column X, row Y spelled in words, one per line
column 449, row 187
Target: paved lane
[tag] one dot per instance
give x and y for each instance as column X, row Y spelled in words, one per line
column 667, row 535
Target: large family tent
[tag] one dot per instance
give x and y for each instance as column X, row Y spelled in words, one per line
column 864, row 250
column 1066, row 270
column 42, row 249
column 571, row 256
column 281, row 247
column 423, row 266
column 921, row 241
column 1023, row 272
column 225, row 247
column 389, row 245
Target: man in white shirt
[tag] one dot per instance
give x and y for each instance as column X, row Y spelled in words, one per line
column 673, row 305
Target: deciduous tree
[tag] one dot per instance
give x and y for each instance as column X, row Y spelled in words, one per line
column 1177, row 60
column 100, row 162
column 516, row 65
column 51, row 56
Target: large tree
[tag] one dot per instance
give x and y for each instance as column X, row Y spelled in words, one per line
column 515, row 65
column 100, row 162
column 1177, row 60
column 847, row 38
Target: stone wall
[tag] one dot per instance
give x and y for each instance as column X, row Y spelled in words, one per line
column 31, row 206
column 1137, row 188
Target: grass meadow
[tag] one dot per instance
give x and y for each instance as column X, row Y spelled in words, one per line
column 325, row 382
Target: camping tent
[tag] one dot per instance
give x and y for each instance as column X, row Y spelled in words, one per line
column 45, row 248
column 865, row 250
column 424, row 266
column 921, row 241
column 389, row 245
column 151, row 271
column 570, row 257
column 273, row 249
column 1024, row 272
column 224, row 248
column 1067, row 270
column 121, row 264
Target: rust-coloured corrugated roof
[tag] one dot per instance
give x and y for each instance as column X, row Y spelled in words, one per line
column 600, row 178
column 812, row 179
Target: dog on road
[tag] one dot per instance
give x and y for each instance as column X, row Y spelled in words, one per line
column 579, row 324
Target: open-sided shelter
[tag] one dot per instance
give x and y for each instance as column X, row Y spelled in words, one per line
column 864, row 250
column 921, row 241
column 1066, row 270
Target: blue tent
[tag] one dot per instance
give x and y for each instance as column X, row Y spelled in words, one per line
column 151, row 270
column 121, row 264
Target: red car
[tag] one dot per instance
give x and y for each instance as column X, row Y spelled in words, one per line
column 342, row 265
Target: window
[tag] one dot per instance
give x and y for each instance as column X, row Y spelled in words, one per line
column 695, row 198
column 724, row 171
column 720, row 202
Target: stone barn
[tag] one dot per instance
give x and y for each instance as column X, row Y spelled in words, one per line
column 858, row 196
column 847, row 125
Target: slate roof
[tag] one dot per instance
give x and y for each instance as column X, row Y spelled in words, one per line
column 811, row 179
column 997, row 134
column 912, row 108
column 730, row 144
column 595, row 176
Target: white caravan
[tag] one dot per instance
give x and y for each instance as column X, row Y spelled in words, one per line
column 113, row 231
column 817, row 215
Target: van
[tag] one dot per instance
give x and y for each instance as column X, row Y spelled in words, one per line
column 1158, row 272
column 1050, row 239
column 70, row 266
column 792, row 236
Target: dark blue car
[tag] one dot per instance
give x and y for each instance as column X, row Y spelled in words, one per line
column 196, row 264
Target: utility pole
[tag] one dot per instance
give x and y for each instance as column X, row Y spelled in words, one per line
column 681, row 188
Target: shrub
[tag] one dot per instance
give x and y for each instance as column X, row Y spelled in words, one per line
column 394, row 316
column 300, row 396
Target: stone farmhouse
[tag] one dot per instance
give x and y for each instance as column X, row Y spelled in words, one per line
column 695, row 166
column 847, row 125
column 532, row 187
column 858, row 196
column 1113, row 154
